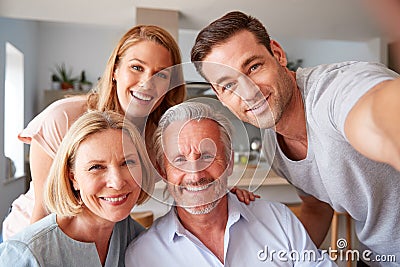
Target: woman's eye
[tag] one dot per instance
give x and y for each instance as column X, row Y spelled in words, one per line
column 162, row 75
column 95, row 167
column 137, row 68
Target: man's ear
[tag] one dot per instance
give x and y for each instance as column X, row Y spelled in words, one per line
column 278, row 52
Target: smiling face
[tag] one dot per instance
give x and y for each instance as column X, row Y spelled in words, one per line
column 195, row 165
column 107, row 179
column 142, row 77
column 247, row 79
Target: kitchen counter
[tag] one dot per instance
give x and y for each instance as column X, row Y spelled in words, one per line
column 252, row 175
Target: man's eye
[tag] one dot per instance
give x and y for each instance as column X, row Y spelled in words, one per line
column 207, row 157
column 130, row 162
column 180, row 159
column 229, row 86
column 95, row 167
column 254, row 67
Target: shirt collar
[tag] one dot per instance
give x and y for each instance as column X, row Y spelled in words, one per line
column 236, row 212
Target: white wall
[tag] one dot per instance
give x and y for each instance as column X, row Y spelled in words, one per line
column 79, row 46
column 24, row 36
column 312, row 51
column 316, row 51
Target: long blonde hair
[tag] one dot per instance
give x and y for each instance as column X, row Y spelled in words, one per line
column 106, row 97
column 60, row 197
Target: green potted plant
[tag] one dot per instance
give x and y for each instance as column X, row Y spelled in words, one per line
column 64, row 76
column 85, row 84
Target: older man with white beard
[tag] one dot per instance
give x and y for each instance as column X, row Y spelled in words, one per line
column 207, row 226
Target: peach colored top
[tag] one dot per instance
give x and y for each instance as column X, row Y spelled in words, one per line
column 48, row 128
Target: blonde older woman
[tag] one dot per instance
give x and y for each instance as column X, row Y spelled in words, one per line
column 100, row 172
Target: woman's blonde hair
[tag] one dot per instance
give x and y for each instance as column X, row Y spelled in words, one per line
column 106, row 96
column 60, row 197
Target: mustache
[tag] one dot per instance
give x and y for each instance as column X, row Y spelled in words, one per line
column 202, row 182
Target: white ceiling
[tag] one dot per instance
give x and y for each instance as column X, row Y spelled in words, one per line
column 327, row 19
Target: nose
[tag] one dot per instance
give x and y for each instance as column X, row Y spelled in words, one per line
column 196, row 168
column 115, row 179
column 247, row 89
column 146, row 81
column 195, row 176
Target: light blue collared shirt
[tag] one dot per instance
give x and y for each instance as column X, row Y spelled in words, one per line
column 260, row 234
column 45, row 244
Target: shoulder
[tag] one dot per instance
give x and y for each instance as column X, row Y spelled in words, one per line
column 26, row 245
column 70, row 107
column 341, row 67
column 347, row 71
column 16, row 253
column 35, row 232
column 51, row 125
column 58, row 113
column 260, row 206
column 276, row 215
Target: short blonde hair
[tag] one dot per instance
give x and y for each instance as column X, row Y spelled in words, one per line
column 60, row 197
column 106, row 97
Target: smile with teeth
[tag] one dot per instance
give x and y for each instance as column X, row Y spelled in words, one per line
column 115, row 199
column 141, row 96
column 197, row 188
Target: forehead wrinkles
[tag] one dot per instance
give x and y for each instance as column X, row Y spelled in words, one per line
column 187, row 147
column 193, row 136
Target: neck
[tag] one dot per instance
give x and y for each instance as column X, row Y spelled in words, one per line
column 208, row 228
column 139, row 122
column 292, row 124
column 85, row 228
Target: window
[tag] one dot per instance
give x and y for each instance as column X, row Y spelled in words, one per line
column 14, row 112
